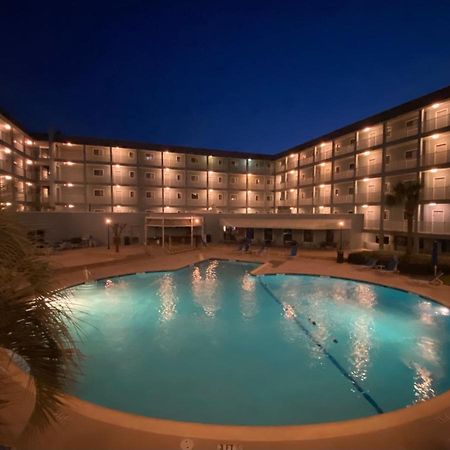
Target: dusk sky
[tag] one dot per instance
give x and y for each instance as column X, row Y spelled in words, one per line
column 253, row 76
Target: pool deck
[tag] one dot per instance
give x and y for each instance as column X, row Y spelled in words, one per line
column 88, row 426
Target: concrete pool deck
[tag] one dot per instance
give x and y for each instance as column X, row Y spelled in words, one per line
column 88, row 426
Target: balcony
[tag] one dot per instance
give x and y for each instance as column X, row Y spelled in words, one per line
column 306, row 201
column 343, row 198
column 306, row 181
column 395, row 225
column 344, row 174
column 322, row 177
column 401, row 165
column 402, row 132
column 325, row 154
column 436, row 158
column 344, row 148
column 436, row 193
column 371, row 224
column 370, row 141
column 322, row 200
column 367, row 197
column 370, row 169
column 434, row 227
column 307, row 160
column 436, row 123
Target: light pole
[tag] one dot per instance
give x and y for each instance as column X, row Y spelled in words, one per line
column 108, row 221
column 340, row 252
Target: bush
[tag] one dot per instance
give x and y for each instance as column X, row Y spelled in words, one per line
column 359, row 257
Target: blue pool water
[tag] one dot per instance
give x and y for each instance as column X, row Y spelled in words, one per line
column 211, row 343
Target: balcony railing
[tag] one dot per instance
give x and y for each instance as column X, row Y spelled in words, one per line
column 322, row 200
column 306, row 201
column 434, row 227
column 436, row 193
column 371, row 224
column 343, row 149
column 344, row 174
column 401, row 164
column 402, row 132
column 369, row 169
column 305, row 181
column 436, row 158
column 370, row 141
column 343, row 198
column 436, row 123
column 325, row 154
column 395, row 225
column 367, row 197
column 323, row 176
column 306, row 161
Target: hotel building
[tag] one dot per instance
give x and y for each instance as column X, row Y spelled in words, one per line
column 347, row 171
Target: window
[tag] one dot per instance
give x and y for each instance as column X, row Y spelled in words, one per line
column 149, row 156
column 98, row 193
column 351, row 166
column 338, row 147
column 351, row 190
column 149, row 175
column 352, row 140
column 409, row 154
column 130, row 154
column 233, row 163
column 178, row 194
column 98, row 152
column 387, row 159
column 131, row 173
column 257, row 181
column 388, row 131
column 257, row 198
column 148, row 194
column 131, row 194
column 220, row 162
column 337, row 169
column 178, row 177
column 269, row 198
column 194, row 177
column 386, row 214
column 194, row 196
column 268, row 181
column 98, row 172
column 233, row 197
column 232, row 180
column 336, row 192
column 220, row 196
column 220, row 179
column 194, row 160
column 178, row 158
column 302, row 195
column 282, row 196
column 411, row 123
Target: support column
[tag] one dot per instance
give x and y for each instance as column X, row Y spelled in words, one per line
column 111, row 179
column 382, row 190
column 192, row 232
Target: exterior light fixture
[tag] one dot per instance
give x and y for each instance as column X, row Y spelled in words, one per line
column 366, row 153
column 8, row 177
column 435, row 136
column 7, row 151
column 29, row 142
column 432, row 204
column 293, row 155
column 366, row 129
column 29, row 162
column 8, row 203
column 434, row 170
column 69, row 163
column 435, row 105
column 322, row 164
column 322, row 144
column 292, row 190
column 365, row 206
column 322, row 186
column 29, row 184
column 71, row 206
column 69, row 144
column 320, row 207
column 365, row 180
column 117, row 165
column 69, row 185
column 341, row 223
column 7, row 126
column 118, row 186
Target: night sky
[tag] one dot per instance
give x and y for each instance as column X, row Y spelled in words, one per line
column 253, row 76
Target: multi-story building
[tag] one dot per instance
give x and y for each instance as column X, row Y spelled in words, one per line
column 347, row 171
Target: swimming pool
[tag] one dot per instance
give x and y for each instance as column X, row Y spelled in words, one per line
column 211, row 343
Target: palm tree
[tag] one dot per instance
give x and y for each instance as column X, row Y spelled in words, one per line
column 407, row 194
column 35, row 323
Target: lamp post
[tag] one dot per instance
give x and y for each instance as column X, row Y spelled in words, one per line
column 108, row 221
column 340, row 252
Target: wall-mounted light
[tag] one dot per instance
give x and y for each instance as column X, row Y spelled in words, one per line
column 366, row 129
column 7, row 126
column 8, row 203
column 435, row 136
column 29, row 142
column 366, row 153
column 71, row 206
column 434, row 170
column 435, row 105
column 69, row 144
column 8, row 177
column 365, row 206
column 432, row 204
column 7, row 151
column 365, row 180
column 29, row 162
column 69, row 185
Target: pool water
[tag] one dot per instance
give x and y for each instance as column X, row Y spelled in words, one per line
column 211, row 343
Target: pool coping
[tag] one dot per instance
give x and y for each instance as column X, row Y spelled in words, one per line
column 431, row 416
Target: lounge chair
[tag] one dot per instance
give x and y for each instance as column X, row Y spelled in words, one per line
column 434, row 281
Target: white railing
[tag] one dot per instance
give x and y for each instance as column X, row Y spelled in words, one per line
column 366, row 197
column 369, row 169
column 398, row 133
column 370, row 141
column 434, row 227
column 436, row 193
column 323, row 176
column 305, row 201
column 322, row 200
column 436, row 158
column 436, row 123
column 343, row 198
column 344, row 174
column 401, row 164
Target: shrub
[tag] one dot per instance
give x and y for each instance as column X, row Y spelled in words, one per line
column 359, row 257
